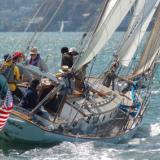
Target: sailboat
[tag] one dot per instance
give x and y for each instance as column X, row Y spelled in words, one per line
column 98, row 112
column 61, row 27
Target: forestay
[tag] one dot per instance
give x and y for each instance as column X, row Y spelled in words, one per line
column 151, row 50
column 112, row 17
column 140, row 22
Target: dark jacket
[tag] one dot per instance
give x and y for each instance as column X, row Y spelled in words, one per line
column 67, row 60
column 3, row 86
column 30, row 99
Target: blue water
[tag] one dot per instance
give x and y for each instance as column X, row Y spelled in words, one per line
column 145, row 145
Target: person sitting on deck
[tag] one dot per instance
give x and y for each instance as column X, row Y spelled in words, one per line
column 30, row 99
column 12, row 74
column 36, row 60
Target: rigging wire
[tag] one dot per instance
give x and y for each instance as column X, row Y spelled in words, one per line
column 92, row 31
column 102, row 74
column 153, row 66
column 31, row 21
column 91, row 69
column 138, row 48
column 153, row 49
column 141, row 24
column 47, row 25
column 36, row 34
column 126, row 38
column 154, row 44
column 34, row 16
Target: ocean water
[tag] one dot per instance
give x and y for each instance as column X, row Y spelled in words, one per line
column 145, row 145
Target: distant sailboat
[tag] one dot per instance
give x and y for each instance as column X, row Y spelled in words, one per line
column 61, row 27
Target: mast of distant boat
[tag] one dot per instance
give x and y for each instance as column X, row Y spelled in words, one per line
column 61, row 27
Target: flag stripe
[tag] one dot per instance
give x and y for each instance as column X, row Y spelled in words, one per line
column 2, row 111
column 6, row 109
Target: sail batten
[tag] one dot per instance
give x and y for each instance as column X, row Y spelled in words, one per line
column 105, row 30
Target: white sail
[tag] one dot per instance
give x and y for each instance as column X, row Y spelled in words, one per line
column 136, row 18
column 105, row 31
column 148, row 63
column 108, row 9
column 61, row 27
column 152, row 48
column 135, row 21
column 127, row 51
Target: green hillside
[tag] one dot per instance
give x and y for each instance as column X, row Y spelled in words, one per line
column 77, row 15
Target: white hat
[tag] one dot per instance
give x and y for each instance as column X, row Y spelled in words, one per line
column 34, row 50
column 64, row 69
column 72, row 50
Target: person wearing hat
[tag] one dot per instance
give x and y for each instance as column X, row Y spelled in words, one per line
column 67, row 58
column 80, row 75
column 30, row 98
column 73, row 51
column 74, row 54
column 36, row 60
column 12, row 74
column 19, row 57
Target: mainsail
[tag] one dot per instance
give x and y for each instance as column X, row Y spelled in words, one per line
column 136, row 18
column 105, row 29
column 151, row 50
column 144, row 17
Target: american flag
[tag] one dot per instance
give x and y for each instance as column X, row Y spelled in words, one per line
column 6, row 109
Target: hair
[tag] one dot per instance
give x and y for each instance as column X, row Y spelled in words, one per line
column 7, row 57
column 34, row 83
column 64, row 50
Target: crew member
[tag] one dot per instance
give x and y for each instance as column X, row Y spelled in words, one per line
column 67, row 58
column 36, row 60
column 12, row 74
column 30, row 99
